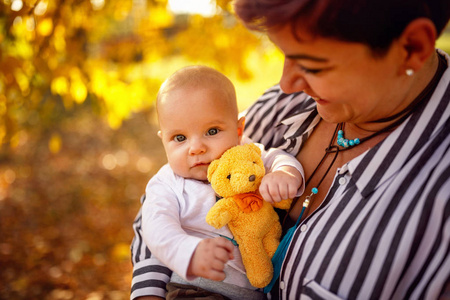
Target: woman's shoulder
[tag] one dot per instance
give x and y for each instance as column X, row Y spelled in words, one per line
column 274, row 98
column 274, row 106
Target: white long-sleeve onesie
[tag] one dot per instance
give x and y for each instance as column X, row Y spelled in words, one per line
column 173, row 217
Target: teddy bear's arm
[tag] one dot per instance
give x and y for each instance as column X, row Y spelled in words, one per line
column 221, row 213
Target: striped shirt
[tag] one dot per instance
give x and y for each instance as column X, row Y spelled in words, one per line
column 382, row 231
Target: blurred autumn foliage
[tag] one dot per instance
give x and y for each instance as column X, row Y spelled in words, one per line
column 77, row 143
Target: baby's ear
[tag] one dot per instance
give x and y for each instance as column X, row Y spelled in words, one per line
column 212, row 168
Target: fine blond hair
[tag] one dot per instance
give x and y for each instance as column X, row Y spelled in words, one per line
column 199, row 77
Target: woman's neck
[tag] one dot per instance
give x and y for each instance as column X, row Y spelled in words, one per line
column 416, row 86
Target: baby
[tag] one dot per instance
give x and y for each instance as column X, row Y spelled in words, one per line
column 198, row 120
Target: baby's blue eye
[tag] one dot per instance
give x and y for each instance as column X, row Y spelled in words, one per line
column 179, row 138
column 213, row 131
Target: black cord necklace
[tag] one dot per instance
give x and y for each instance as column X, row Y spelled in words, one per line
column 344, row 144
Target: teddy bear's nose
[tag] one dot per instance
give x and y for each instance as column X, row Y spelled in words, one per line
column 251, row 178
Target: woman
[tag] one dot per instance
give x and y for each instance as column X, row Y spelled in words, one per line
column 377, row 218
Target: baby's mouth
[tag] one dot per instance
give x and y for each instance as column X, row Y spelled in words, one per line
column 199, row 164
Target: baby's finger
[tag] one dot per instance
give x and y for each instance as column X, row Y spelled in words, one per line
column 222, row 255
column 284, row 191
column 264, row 192
column 217, row 265
column 292, row 191
column 215, row 275
column 226, row 244
column 223, row 249
column 275, row 193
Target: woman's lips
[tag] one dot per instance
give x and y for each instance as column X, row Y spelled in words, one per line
column 319, row 100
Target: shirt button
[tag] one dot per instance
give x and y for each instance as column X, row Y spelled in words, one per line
column 282, row 285
column 342, row 181
column 343, row 169
column 303, row 228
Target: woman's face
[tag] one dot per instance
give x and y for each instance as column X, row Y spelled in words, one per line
column 348, row 83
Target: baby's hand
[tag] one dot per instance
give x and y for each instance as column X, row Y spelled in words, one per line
column 210, row 257
column 281, row 184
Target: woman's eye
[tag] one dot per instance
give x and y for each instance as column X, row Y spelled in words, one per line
column 310, row 71
column 213, row 131
column 179, row 138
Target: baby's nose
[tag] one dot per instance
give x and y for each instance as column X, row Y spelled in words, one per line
column 251, row 178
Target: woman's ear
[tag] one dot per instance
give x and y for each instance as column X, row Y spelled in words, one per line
column 240, row 128
column 418, row 41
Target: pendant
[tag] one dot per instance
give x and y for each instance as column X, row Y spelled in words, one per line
column 310, row 198
column 343, row 142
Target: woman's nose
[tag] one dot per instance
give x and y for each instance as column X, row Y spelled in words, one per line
column 292, row 80
column 196, row 146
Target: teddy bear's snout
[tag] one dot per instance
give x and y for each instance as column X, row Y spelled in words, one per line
column 251, row 178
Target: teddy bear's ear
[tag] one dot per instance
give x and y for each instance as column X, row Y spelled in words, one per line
column 255, row 148
column 212, row 168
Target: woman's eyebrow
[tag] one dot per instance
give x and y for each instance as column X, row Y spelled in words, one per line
column 306, row 57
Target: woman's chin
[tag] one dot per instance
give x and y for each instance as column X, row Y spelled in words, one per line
column 330, row 116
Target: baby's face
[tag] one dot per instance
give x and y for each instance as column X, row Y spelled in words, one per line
column 197, row 127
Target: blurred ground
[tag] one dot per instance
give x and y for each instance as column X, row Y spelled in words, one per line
column 66, row 218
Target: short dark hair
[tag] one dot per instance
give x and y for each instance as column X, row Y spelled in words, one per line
column 375, row 23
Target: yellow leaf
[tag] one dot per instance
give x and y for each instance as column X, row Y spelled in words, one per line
column 78, row 91
column 222, row 40
column 22, row 80
column 55, row 143
column 161, row 17
column 113, row 121
column 45, row 27
column 59, row 38
column 2, row 133
column 99, row 82
column 60, row 85
column 121, row 251
column 3, row 108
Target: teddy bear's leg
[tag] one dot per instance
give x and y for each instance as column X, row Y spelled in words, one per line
column 257, row 264
column 272, row 239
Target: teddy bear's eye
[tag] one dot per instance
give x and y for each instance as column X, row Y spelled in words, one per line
column 229, row 176
column 254, row 162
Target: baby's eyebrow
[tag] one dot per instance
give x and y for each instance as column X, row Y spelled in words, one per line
column 173, row 132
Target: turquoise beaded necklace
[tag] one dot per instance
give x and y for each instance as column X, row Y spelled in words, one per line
column 343, row 142
column 346, row 144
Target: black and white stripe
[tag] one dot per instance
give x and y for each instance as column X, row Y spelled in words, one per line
column 383, row 231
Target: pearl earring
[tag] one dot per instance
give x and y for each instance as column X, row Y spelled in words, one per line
column 409, row 72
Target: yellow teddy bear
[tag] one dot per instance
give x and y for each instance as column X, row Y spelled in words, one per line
column 236, row 177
